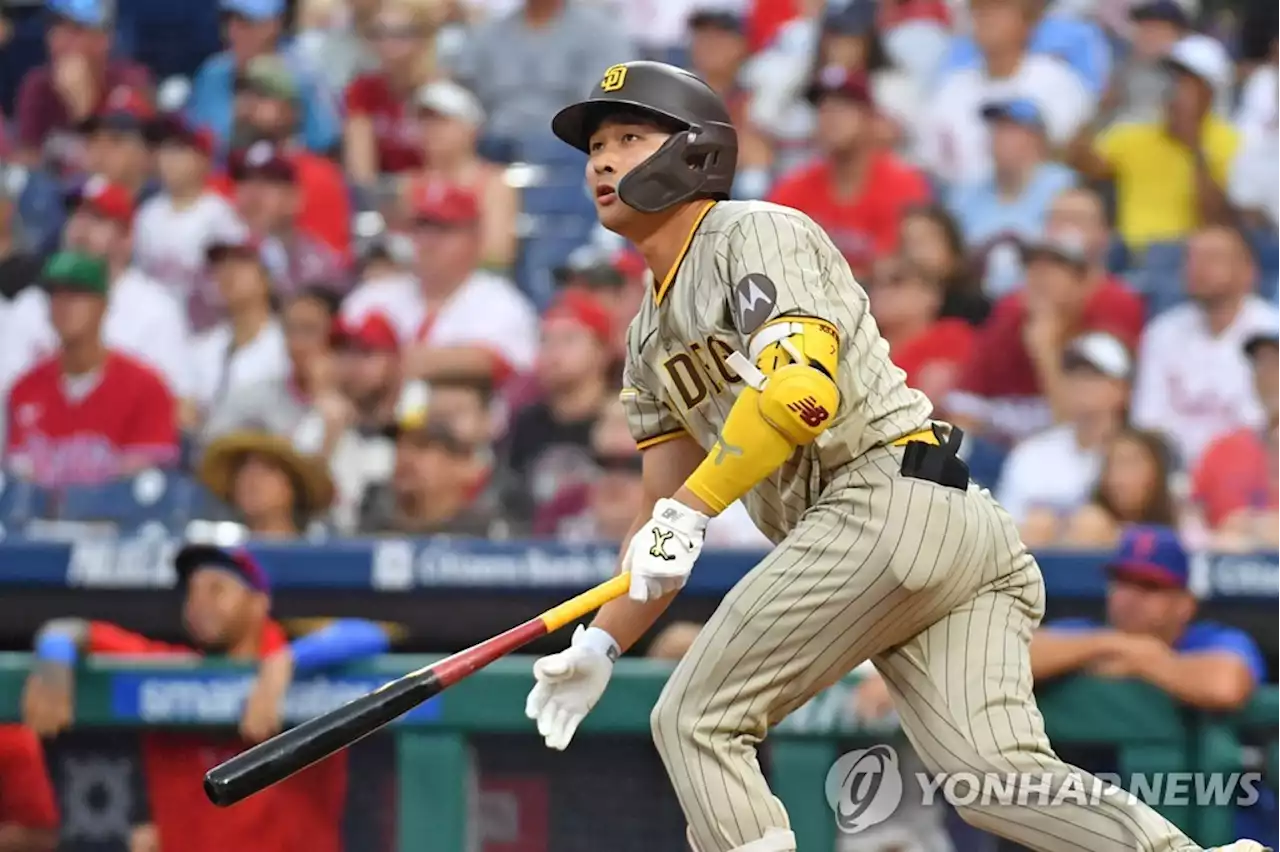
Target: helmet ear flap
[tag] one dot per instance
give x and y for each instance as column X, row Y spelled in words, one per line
column 681, row 169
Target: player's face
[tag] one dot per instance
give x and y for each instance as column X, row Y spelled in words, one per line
column 75, row 316
column 1266, row 377
column 219, row 608
column 617, row 147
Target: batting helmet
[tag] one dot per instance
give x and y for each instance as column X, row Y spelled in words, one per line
column 698, row 162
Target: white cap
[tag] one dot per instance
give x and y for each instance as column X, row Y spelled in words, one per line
column 447, row 98
column 1105, row 353
column 1204, row 57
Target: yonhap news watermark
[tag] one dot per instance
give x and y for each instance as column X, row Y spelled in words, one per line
column 865, row 787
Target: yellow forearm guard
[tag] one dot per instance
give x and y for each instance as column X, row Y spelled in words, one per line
column 763, row 428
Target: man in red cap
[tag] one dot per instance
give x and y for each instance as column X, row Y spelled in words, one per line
column 549, row 442
column 226, row 611
column 856, row 191
column 28, row 809
column 175, row 228
column 143, row 319
column 475, row 322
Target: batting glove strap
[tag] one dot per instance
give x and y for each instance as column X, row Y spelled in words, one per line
column 684, row 521
column 598, row 640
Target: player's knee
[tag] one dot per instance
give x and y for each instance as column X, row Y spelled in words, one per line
column 672, row 720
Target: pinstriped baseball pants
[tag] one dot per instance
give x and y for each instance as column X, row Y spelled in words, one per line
column 932, row 584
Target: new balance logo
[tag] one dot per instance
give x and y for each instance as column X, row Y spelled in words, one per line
column 811, row 414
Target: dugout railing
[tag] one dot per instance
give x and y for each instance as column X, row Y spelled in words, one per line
column 440, row 751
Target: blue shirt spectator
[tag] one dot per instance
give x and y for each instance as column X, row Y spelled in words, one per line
column 253, row 29
column 999, row 212
column 1081, row 44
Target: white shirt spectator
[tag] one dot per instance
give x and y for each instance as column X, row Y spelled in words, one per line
column 487, row 310
column 954, row 140
column 1194, row 387
column 1255, row 175
column 169, row 244
column 397, row 297
column 1048, row 471
column 143, row 319
column 218, row 371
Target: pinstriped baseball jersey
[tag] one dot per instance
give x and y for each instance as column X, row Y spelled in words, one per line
column 745, row 264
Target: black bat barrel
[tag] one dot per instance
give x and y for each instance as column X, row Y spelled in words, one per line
column 297, row 748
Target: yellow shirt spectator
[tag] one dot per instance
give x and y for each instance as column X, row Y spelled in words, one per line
column 1155, row 177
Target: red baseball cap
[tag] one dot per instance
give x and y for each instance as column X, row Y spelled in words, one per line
column 582, row 308
column 242, row 245
column 445, row 203
column 373, row 333
column 261, row 160
column 173, row 127
column 125, row 108
column 106, row 199
column 836, row 80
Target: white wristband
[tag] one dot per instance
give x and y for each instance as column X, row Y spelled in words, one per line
column 600, row 641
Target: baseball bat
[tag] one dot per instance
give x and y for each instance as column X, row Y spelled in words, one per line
column 293, row 750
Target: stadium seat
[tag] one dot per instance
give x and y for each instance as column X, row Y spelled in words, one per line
column 544, row 149
column 150, row 497
column 540, row 255
column 558, row 199
column 20, row 502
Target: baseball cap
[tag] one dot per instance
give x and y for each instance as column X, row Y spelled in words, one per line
column 173, row 127
column 125, row 109
column 269, row 75
column 582, row 308
column 96, row 14
column 1203, row 57
column 239, row 245
column 372, row 333
column 261, row 160
column 237, row 561
column 105, row 199
column 717, row 14
column 1100, row 351
column 254, row 10
column 448, row 99
column 594, row 264
column 1022, row 111
column 836, row 80
column 412, row 421
column 1151, row 555
column 1178, row 12
column 75, row 272
column 444, row 203
column 1067, row 250
column 1262, row 336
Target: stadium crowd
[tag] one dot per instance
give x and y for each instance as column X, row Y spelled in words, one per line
column 332, row 271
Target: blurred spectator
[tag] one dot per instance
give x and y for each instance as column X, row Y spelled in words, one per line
column 434, row 487
column 28, row 807
column 336, row 39
column 1132, row 488
column 615, row 280
column 380, row 134
column 386, row 287
column 270, row 198
column 19, row 265
column 1012, row 386
column 86, row 413
column 226, row 612
column 248, row 347
column 906, row 304
column 526, row 65
column 1254, row 185
column 1049, row 476
column 143, row 319
column 932, row 242
column 451, row 119
column 279, row 407
column 174, row 230
column 116, row 142
column 1235, row 483
column 1011, row 205
column 1170, row 173
column 274, row 488
column 252, row 29
column 857, row 191
column 548, row 444
column 267, row 95
column 1151, row 633
column 55, row 97
column 465, row 404
column 1141, row 84
column 1193, row 380
column 954, row 143
column 475, row 322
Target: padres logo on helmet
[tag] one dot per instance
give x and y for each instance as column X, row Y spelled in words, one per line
column 697, row 163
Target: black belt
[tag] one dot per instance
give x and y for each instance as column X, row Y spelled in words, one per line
column 929, row 456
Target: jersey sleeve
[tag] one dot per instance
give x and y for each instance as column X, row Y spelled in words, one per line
column 26, row 792
column 107, row 638
column 152, row 432
column 651, row 422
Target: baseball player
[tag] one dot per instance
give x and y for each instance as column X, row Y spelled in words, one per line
column 755, row 371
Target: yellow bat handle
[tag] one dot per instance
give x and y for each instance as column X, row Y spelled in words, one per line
column 587, row 602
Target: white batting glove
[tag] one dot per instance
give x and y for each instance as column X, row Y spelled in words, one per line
column 661, row 554
column 569, row 684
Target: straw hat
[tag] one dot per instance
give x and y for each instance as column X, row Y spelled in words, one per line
column 309, row 473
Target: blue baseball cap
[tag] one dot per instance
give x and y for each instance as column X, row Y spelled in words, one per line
column 1021, row 111
column 235, row 560
column 1153, row 556
column 254, row 10
column 86, row 13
